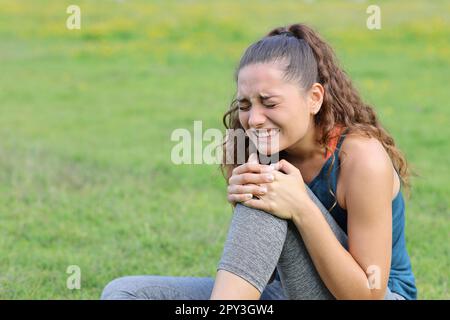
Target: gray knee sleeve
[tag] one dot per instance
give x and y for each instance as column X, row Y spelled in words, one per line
column 253, row 246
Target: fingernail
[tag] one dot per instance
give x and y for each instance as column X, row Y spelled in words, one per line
column 249, row 196
column 269, row 177
column 263, row 190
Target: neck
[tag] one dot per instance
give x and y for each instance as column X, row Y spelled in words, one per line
column 306, row 148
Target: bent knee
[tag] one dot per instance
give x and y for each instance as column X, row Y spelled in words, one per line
column 256, row 218
column 122, row 288
column 243, row 210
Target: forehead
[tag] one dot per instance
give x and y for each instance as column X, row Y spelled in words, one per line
column 260, row 78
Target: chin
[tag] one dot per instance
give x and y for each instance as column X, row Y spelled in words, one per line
column 268, row 151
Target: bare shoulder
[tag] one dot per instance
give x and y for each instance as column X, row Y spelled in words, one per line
column 363, row 159
column 360, row 150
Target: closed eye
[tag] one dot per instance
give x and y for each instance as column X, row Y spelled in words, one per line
column 246, row 108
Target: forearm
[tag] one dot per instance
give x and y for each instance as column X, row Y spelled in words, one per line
column 228, row 286
column 340, row 272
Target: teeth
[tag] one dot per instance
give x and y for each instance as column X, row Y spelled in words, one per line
column 264, row 133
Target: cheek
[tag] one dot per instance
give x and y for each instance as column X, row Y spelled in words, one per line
column 243, row 119
column 295, row 124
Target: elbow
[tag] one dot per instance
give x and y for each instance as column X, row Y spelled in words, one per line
column 375, row 294
column 364, row 293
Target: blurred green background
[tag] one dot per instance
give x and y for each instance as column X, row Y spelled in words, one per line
column 86, row 118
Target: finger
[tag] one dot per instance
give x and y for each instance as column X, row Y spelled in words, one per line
column 275, row 166
column 253, row 158
column 239, row 197
column 248, row 188
column 252, row 167
column 256, row 204
column 251, row 178
column 288, row 168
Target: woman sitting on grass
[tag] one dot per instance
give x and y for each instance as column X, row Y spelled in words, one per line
column 325, row 222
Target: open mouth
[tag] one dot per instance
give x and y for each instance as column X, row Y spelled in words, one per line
column 265, row 133
column 267, row 141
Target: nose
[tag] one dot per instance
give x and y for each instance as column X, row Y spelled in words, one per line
column 256, row 117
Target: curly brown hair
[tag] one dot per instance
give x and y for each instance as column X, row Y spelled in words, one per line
column 309, row 59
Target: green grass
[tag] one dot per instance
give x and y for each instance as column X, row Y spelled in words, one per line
column 86, row 118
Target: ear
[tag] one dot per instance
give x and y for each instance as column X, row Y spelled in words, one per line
column 315, row 98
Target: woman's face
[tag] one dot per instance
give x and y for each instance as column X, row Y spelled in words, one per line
column 275, row 113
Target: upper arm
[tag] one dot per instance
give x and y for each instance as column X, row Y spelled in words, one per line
column 368, row 184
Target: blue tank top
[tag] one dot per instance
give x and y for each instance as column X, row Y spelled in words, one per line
column 401, row 278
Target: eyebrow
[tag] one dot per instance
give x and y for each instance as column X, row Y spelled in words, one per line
column 261, row 96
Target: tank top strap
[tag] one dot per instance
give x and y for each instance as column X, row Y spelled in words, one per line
column 335, row 164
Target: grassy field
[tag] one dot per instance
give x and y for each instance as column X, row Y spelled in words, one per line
column 86, row 118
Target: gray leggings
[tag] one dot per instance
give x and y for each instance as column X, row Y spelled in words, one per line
column 257, row 243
